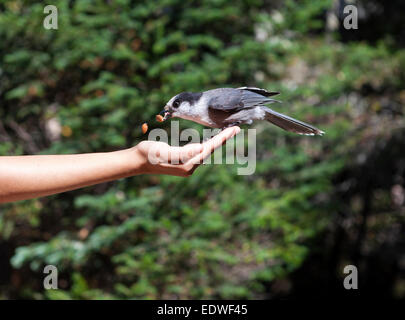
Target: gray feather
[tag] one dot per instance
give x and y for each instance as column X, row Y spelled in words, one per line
column 229, row 99
column 224, row 99
column 291, row 124
column 251, row 99
column 261, row 91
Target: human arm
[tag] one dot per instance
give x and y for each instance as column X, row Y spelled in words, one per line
column 26, row 177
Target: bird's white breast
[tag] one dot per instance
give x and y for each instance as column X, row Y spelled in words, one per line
column 199, row 113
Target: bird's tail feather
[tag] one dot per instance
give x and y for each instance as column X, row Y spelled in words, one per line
column 291, row 124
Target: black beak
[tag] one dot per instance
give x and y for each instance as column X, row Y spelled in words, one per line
column 165, row 113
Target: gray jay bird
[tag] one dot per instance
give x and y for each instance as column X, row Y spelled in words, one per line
column 225, row 107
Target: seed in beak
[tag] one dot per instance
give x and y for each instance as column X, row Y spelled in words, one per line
column 159, row 118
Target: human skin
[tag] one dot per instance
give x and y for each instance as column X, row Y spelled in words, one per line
column 26, row 177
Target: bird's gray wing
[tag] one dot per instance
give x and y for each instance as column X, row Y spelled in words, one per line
column 231, row 100
column 225, row 99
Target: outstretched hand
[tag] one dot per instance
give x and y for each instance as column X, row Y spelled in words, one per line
column 160, row 158
column 25, row 177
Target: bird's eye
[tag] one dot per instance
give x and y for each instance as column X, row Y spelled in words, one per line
column 176, row 103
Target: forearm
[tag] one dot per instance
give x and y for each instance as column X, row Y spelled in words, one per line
column 25, row 177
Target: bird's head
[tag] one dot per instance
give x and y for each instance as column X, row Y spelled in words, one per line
column 181, row 105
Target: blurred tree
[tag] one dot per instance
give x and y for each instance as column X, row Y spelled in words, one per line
column 110, row 67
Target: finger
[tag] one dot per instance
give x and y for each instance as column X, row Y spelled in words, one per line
column 218, row 140
column 178, row 155
column 215, row 142
column 189, row 151
column 173, row 155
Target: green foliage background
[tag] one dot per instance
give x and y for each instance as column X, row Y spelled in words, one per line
column 112, row 65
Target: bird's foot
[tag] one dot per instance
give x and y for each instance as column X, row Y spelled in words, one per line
column 237, row 123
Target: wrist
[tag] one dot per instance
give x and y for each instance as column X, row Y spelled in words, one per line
column 136, row 160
